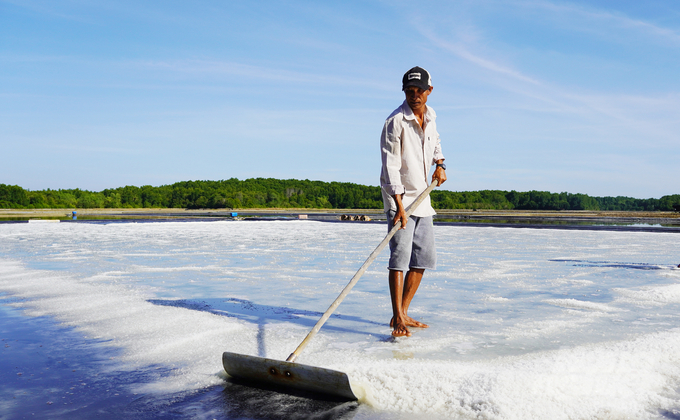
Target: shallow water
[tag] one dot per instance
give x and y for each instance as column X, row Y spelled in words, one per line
column 525, row 323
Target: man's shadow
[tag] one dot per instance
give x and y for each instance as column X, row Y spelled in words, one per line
column 263, row 314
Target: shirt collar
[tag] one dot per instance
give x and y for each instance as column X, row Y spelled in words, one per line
column 409, row 115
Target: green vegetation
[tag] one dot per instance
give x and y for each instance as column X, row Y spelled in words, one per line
column 231, row 193
column 543, row 200
column 291, row 193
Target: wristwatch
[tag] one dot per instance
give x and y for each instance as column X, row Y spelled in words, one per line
column 441, row 165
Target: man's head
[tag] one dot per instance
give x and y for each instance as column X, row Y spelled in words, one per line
column 417, row 86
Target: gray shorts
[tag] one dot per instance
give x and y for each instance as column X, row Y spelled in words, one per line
column 412, row 247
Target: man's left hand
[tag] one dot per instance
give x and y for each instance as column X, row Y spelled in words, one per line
column 439, row 175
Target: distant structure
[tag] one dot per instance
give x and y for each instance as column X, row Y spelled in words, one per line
column 351, row 218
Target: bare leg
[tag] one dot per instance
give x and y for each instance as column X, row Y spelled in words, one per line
column 398, row 323
column 413, row 278
column 402, row 294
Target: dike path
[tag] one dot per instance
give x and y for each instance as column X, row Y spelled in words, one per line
column 582, row 219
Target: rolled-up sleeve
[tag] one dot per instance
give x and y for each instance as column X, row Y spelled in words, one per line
column 437, row 155
column 390, row 150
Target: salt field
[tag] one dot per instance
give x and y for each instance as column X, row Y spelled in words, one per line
column 130, row 320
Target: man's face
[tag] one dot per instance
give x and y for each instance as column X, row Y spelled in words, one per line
column 416, row 98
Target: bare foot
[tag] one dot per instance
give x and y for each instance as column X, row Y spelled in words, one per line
column 400, row 330
column 410, row 322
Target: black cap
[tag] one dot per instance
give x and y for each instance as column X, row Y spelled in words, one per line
column 418, row 77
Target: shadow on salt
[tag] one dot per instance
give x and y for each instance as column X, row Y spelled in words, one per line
column 262, row 315
column 613, row 264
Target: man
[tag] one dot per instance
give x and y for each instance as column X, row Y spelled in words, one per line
column 409, row 145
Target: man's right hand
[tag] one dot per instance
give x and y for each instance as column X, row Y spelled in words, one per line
column 401, row 213
column 400, row 217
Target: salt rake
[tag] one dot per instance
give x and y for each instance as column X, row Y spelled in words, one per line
column 288, row 375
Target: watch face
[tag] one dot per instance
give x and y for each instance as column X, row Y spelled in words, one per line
column 442, row 165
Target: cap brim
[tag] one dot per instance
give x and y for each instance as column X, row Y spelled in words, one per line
column 421, row 85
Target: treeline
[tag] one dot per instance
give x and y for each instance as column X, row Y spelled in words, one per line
column 543, row 200
column 231, row 193
column 291, row 193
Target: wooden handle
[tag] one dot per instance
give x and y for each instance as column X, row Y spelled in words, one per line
column 358, row 274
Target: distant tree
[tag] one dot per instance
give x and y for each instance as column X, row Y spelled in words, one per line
column 669, row 202
column 13, row 195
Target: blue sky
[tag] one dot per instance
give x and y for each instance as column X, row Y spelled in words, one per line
column 582, row 97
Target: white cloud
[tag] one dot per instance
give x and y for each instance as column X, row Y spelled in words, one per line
column 614, row 19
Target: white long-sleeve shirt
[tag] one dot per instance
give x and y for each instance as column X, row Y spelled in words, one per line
column 408, row 151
